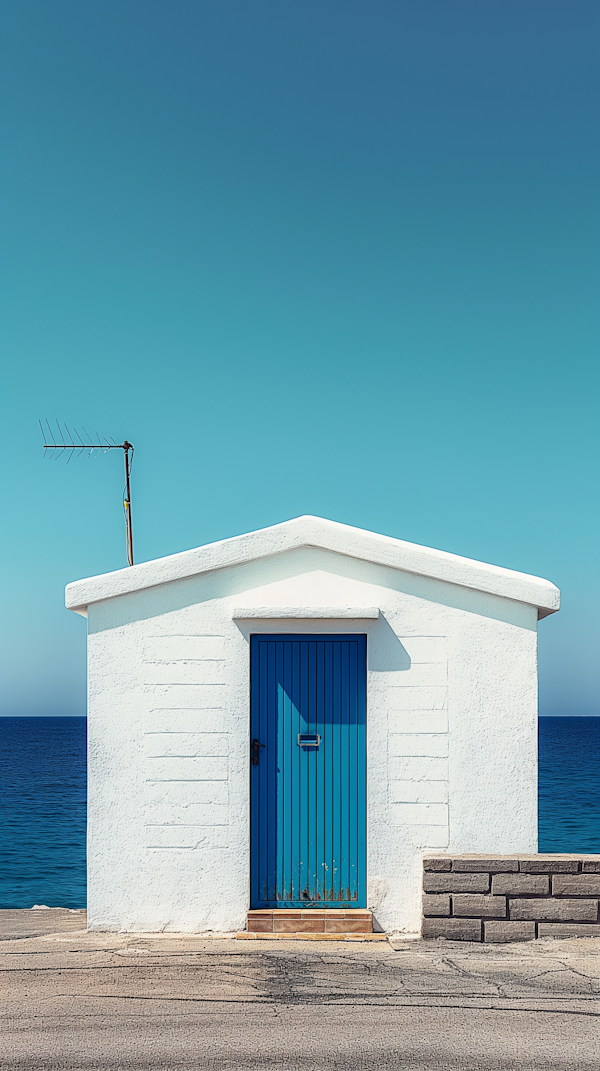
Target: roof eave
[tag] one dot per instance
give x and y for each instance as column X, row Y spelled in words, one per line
column 326, row 535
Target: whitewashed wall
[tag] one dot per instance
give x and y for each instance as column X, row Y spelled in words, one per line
column 451, row 729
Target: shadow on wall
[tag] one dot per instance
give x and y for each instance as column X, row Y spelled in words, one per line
column 387, row 652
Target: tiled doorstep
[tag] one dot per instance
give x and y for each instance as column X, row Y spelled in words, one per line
column 310, row 922
column 283, row 936
column 313, row 913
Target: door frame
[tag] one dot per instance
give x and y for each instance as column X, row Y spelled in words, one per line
column 362, row 801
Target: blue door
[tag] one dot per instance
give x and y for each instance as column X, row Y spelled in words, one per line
column 308, row 771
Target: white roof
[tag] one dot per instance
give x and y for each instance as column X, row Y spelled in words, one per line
column 328, row 535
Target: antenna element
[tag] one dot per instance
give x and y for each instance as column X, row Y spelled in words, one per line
column 71, row 442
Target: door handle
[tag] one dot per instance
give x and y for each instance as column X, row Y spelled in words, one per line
column 255, row 746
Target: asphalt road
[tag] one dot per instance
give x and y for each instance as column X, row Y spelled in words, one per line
column 73, row 1000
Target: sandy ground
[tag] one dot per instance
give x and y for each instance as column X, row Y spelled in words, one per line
column 78, row 1000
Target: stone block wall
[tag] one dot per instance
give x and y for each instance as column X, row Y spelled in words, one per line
column 511, row 898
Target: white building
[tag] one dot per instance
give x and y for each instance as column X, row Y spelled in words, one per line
column 407, row 722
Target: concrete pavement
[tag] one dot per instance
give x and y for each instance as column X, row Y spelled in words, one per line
column 76, row 1000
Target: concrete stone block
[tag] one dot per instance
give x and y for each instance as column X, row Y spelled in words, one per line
column 422, row 698
column 213, row 720
column 184, row 793
column 186, row 836
column 417, row 768
column 418, row 791
column 456, row 883
column 489, row 863
column 548, row 864
column 435, row 904
column 554, row 910
column 420, row 837
column 419, row 814
column 502, row 932
column 453, row 929
column 187, row 769
column 568, row 929
column 437, row 864
column 163, row 813
column 174, row 649
column 425, row 648
column 405, row 745
column 187, row 745
column 576, row 885
column 469, row 905
column 418, row 721
column 521, row 884
column 591, row 866
column 418, row 675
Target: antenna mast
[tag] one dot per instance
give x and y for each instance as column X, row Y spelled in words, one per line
column 126, row 448
column 71, row 442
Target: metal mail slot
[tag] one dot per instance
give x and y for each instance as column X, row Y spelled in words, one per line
column 308, row 739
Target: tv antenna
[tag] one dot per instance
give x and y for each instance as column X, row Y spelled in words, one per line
column 71, row 442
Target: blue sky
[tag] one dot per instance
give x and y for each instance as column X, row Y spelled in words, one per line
column 322, row 257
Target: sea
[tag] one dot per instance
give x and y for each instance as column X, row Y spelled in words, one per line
column 43, row 803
